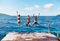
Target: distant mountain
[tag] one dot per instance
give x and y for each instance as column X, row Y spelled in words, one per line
column 58, row 15
column 1, row 14
column 4, row 16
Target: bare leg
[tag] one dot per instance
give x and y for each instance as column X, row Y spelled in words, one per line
column 33, row 23
column 38, row 24
column 29, row 24
column 26, row 24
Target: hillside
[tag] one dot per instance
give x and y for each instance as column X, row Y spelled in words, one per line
column 58, row 15
column 4, row 16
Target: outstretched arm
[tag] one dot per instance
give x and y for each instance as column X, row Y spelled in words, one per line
column 38, row 15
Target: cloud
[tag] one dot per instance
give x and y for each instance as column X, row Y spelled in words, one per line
column 32, row 8
column 29, row 8
column 11, row 10
column 7, row 10
column 48, row 6
column 58, row 8
column 37, row 6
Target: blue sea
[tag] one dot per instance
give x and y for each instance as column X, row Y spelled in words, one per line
column 9, row 24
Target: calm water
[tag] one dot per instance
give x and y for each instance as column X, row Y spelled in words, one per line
column 10, row 25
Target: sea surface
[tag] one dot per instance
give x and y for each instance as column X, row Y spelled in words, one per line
column 9, row 24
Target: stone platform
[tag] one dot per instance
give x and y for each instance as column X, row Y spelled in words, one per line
column 14, row 36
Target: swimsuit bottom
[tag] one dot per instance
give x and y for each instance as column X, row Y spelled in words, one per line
column 35, row 22
column 28, row 22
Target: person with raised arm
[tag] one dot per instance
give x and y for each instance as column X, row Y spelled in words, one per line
column 28, row 21
column 18, row 17
column 35, row 20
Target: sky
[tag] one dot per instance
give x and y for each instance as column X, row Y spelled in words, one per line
column 30, row 7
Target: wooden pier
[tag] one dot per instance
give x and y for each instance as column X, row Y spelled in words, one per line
column 14, row 36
